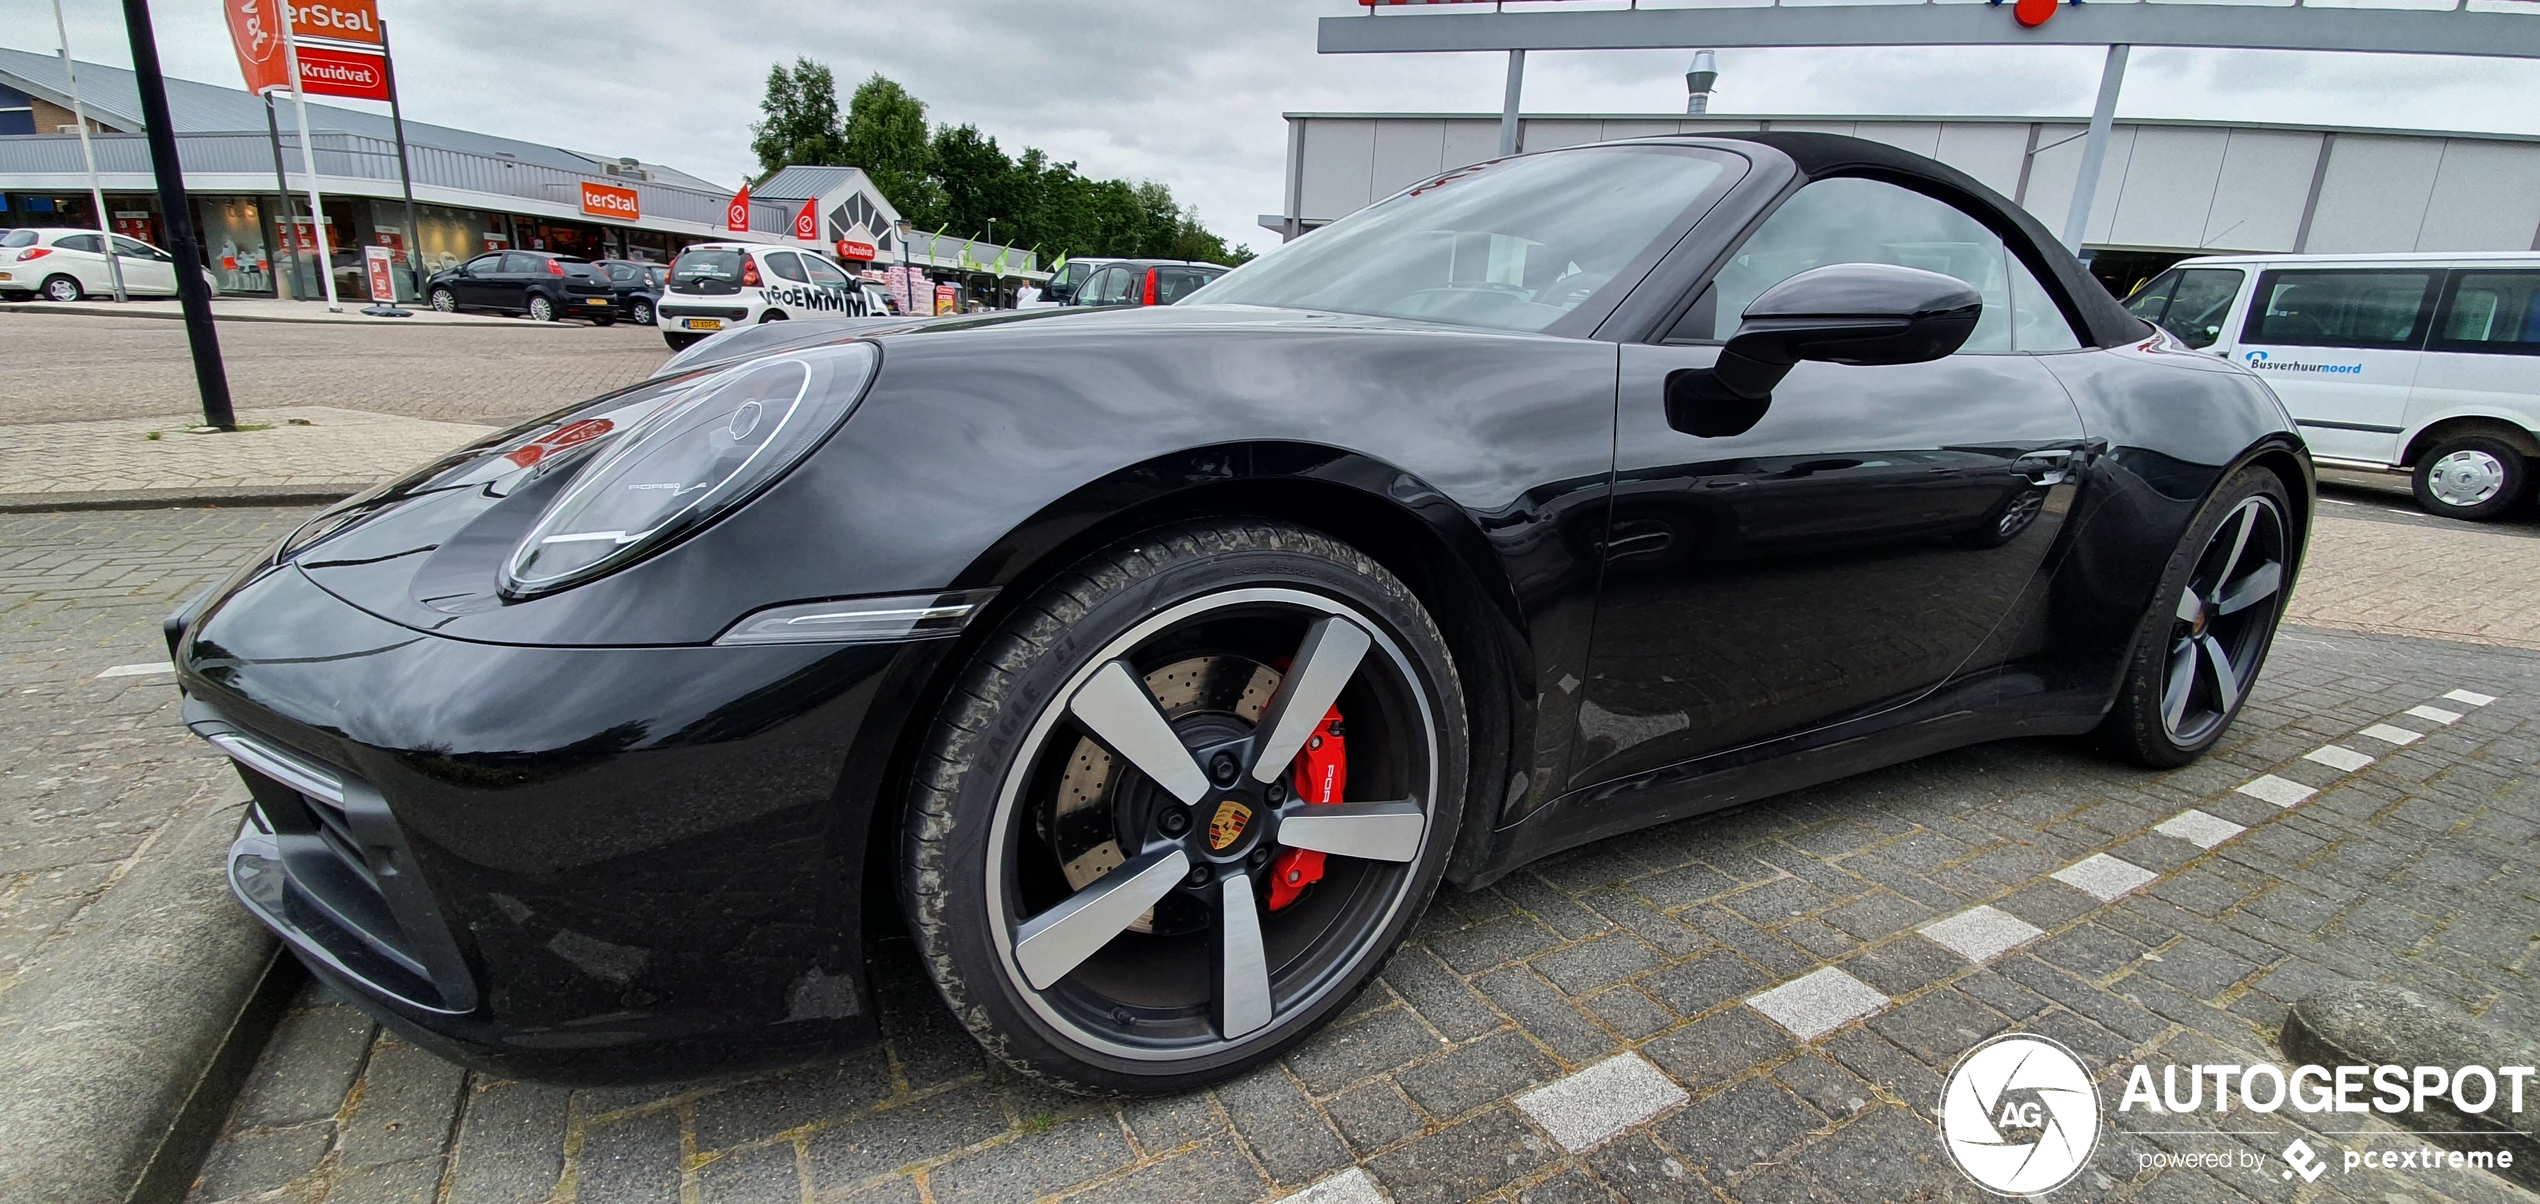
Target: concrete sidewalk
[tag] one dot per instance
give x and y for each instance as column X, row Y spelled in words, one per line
column 265, row 309
column 302, row 453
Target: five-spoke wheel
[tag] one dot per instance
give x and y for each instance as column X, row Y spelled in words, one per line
column 2210, row 626
column 1169, row 870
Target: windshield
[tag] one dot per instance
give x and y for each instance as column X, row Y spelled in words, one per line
column 1513, row 244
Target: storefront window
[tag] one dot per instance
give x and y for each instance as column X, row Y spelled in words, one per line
column 451, row 236
column 234, row 237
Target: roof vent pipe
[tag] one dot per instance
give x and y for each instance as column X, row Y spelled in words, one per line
column 1698, row 81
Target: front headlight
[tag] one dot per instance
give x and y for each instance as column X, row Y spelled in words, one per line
column 703, row 452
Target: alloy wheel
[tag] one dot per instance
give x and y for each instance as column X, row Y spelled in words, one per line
column 1136, row 840
column 2468, row 477
column 541, row 309
column 445, row 301
column 2222, row 620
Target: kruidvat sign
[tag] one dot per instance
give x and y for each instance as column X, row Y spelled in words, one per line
column 343, row 73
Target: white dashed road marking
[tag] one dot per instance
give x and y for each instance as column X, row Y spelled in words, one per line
column 2391, row 735
column 1352, row 1186
column 2437, row 714
column 2104, row 878
column 1818, row 1003
column 2472, row 697
column 2283, row 792
column 137, row 670
column 1980, row 934
column 1587, row 1109
column 2338, row 757
column 2199, row 829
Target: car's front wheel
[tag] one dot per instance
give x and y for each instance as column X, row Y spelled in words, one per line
column 2473, row 477
column 541, row 309
column 2211, row 622
column 63, row 288
column 445, row 301
column 1183, row 804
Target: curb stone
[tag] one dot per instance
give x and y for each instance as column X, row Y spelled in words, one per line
column 103, row 1044
column 158, row 499
column 2382, row 1025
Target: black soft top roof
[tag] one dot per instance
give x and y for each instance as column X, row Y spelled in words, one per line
column 1817, row 155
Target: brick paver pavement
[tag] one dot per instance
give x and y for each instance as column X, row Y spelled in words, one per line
column 91, row 768
column 63, row 368
column 2417, row 867
column 297, row 447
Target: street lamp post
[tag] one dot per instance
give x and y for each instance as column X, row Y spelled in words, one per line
column 210, row 377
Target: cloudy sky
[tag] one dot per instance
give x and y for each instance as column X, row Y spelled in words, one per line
column 1190, row 92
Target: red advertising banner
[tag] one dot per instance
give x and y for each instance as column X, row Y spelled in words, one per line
column 337, row 20
column 255, row 32
column 609, row 200
column 343, row 73
column 807, row 223
column 849, row 248
column 736, row 216
column 378, row 270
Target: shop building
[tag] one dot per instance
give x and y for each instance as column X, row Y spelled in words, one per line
column 473, row 192
column 2167, row 190
column 860, row 227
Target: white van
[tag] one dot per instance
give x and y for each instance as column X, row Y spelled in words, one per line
column 2425, row 363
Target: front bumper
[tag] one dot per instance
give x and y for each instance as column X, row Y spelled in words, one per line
column 570, row 864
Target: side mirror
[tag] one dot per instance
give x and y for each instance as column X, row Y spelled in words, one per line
column 1844, row 313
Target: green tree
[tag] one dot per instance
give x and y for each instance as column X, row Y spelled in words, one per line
column 800, row 118
column 886, row 136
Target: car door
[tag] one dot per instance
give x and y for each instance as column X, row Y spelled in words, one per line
column 1855, row 545
column 509, row 288
column 832, row 291
column 2483, row 357
column 478, row 282
column 146, row 269
column 2340, row 346
column 84, row 256
column 1108, row 286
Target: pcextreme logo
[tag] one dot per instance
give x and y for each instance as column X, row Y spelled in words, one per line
column 2019, row 1115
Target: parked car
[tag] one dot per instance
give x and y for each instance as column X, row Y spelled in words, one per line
column 68, row 265
column 1145, row 282
column 717, row 286
column 542, row 284
column 1158, row 663
column 2421, row 364
column 639, row 286
column 1062, row 286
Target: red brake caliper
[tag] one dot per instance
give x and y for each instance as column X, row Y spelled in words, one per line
column 1318, row 775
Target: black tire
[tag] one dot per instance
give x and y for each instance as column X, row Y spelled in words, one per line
column 1012, row 722
column 63, row 287
column 2173, row 704
column 641, row 312
column 604, row 321
column 2475, row 478
column 680, row 342
column 541, row 309
column 445, row 301
column 773, row 315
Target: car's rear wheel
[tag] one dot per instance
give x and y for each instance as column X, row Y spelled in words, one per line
column 2473, row 477
column 641, row 312
column 1118, row 865
column 541, row 309
column 445, row 301
column 2211, row 623
column 773, row 315
column 63, row 288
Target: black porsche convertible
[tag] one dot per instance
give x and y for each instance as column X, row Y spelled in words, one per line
column 1154, row 666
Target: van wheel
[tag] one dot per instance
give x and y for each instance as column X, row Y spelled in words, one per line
column 63, row 288
column 2474, row 477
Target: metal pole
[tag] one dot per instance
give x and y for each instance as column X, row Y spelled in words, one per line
column 209, row 376
column 96, row 195
column 308, row 161
column 290, row 216
column 2094, row 150
column 1508, row 106
column 405, row 176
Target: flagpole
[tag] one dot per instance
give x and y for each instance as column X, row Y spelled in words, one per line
column 290, row 214
column 405, row 176
column 97, row 195
column 308, row 161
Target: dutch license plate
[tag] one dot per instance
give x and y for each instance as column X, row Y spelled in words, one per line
column 705, row 323
column 599, row 300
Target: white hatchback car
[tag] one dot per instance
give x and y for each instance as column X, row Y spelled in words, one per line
column 716, row 286
column 67, row 265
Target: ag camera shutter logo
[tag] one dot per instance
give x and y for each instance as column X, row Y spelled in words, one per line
column 2019, row 1115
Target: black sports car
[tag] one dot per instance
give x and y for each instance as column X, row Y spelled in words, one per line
column 1155, row 665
